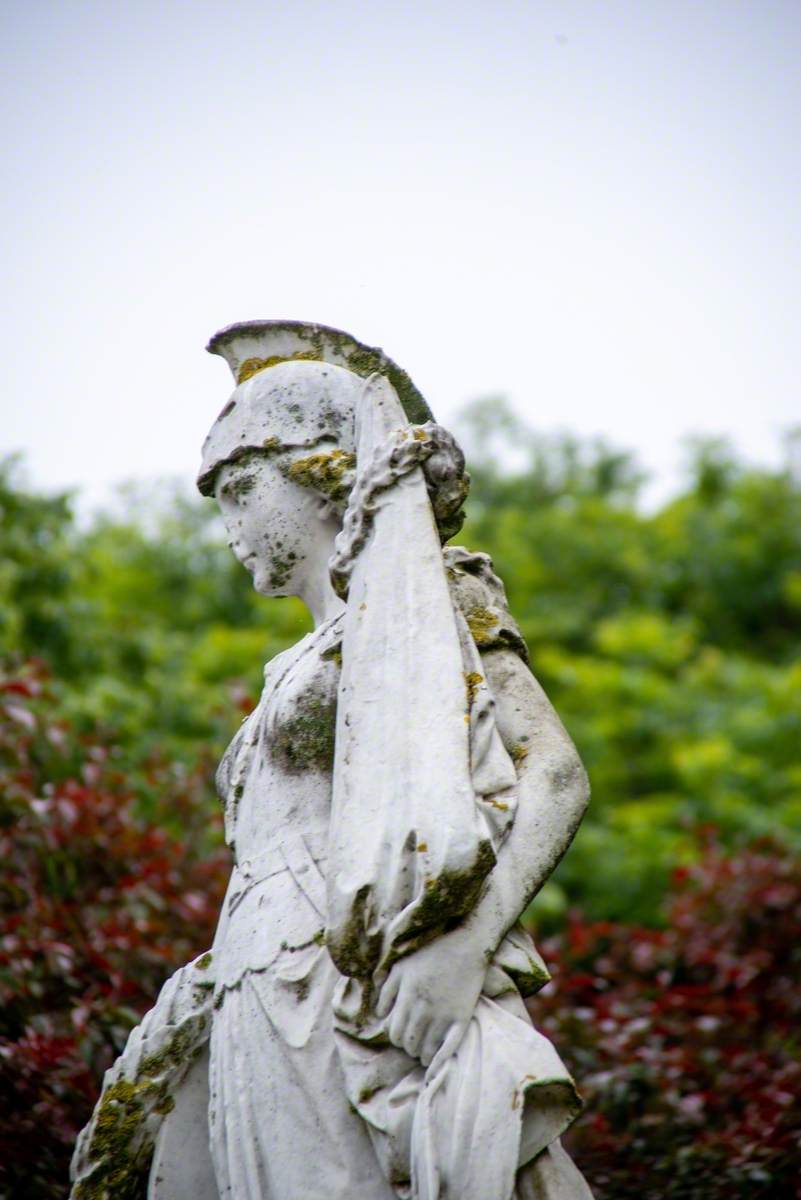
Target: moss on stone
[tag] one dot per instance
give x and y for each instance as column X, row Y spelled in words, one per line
column 518, row 754
column 122, row 1139
column 122, row 1165
column 306, row 740
column 333, row 654
column 355, row 951
column 252, row 366
column 531, row 980
column 483, row 624
column 301, row 988
column 501, row 805
column 327, row 472
column 454, row 893
column 280, row 570
column 473, row 680
column 446, row 899
column 239, row 485
column 317, row 940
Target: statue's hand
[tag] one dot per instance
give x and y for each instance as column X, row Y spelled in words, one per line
column 429, row 997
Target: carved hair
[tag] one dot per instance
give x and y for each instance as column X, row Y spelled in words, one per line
column 332, row 474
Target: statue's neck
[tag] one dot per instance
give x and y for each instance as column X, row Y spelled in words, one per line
column 320, row 598
column 313, row 584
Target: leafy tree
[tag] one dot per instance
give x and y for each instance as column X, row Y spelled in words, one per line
column 669, row 643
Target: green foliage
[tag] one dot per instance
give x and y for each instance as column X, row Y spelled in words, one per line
column 668, row 641
column 150, row 627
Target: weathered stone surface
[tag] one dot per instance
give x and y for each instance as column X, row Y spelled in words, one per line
column 399, row 794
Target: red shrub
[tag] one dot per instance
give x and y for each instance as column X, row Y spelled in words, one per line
column 686, row 1041
column 96, row 909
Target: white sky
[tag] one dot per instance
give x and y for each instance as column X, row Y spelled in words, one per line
column 591, row 207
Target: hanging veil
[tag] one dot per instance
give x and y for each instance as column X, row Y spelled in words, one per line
column 416, row 745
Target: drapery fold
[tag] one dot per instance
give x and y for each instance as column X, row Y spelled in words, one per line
column 410, row 844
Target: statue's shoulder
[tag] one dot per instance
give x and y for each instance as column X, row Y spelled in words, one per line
column 480, row 596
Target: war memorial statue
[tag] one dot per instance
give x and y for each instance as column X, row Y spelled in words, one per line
column 357, row 1030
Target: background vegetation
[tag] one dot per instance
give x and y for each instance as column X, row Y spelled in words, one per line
column 669, row 643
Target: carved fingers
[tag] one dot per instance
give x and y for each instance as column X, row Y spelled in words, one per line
column 388, row 994
column 428, row 998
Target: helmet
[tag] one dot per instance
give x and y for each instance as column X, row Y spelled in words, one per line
column 297, row 385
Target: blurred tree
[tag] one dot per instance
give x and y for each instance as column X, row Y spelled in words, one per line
column 668, row 641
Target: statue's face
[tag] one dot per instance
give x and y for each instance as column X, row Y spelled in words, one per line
column 275, row 528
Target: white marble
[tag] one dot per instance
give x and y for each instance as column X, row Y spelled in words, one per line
column 401, row 791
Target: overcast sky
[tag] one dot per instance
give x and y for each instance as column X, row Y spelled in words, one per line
column 591, row 207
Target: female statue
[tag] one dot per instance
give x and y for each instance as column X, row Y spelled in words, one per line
column 400, row 792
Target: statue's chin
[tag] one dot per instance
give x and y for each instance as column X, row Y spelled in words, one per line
column 266, row 584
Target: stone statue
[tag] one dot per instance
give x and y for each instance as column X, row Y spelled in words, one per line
column 400, row 792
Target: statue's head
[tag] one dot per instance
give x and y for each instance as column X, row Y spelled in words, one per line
column 281, row 456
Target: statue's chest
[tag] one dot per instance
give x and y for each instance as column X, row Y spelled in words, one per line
column 298, row 725
column 278, row 768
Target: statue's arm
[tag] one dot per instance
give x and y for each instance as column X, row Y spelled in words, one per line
column 553, row 792
column 429, row 997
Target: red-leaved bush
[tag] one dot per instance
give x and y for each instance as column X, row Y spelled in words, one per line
column 97, row 908
column 686, row 1042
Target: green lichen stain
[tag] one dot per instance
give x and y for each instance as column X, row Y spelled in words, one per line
column 452, row 894
column 530, row 981
column 327, row 472
column 305, row 740
column 280, row 570
column 364, row 361
column 519, row 754
column 472, row 681
column 122, row 1169
column 301, row 988
column 483, row 625
column 247, row 454
column 239, row 485
column 333, row 654
column 501, row 805
column 252, row 366
column 204, row 962
column 122, row 1145
column 173, row 1055
column 317, row 940
column 354, row 950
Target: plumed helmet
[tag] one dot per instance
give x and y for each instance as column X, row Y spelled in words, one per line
column 297, row 386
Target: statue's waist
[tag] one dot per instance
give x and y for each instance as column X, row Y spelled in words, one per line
column 297, row 851
column 276, row 901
